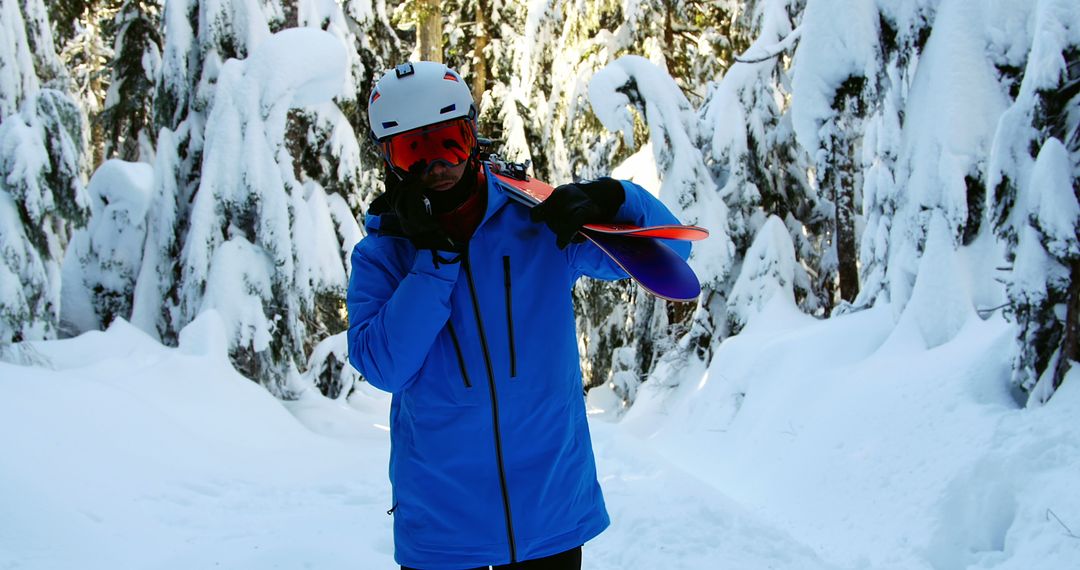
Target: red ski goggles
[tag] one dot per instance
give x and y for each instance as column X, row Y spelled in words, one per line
column 450, row 142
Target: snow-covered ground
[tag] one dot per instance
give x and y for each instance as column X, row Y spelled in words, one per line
column 877, row 452
column 873, row 452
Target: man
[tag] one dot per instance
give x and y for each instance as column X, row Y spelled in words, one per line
column 460, row 305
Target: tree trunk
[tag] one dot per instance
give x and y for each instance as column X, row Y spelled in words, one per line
column 429, row 30
column 1070, row 341
column 669, row 37
column 839, row 180
column 846, row 248
column 480, row 66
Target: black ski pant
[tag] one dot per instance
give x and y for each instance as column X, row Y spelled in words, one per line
column 569, row 560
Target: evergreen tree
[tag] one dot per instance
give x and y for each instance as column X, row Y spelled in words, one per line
column 86, row 57
column 749, row 146
column 199, row 36
column 157, row 285
column 127, row 116
column 768, row 270
column 39, row 37
column 260, row 244
column 832, row 90
column 546, row 118
column 688, row 190
column 104, row 259
column 324, row 174
column 340, row 170
column 566, row 41
column 886, row 246
column 1035, row 206
column 42, row 149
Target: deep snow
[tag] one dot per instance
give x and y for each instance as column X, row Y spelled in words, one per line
column 808, row 444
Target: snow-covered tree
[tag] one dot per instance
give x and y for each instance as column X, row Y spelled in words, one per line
column 42, row 148
column 949, row 110
column 86, row 57
column 833, row 72
column 104, row 259
column 902, row 36
column 749, row 146
column 339, row 166
column 127, row 116
column 566, row 41
column 309, row 159
column 630, row 85
column 1035, row 176
column 768, row 269
column 547, row 117
column 199, row 36
column 39, row 36
column 330, row 141
column 156, row 287
column 261, row 244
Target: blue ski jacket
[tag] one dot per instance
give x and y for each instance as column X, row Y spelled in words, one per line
column 490, row 459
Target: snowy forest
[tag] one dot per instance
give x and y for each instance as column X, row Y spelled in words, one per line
column 880, row 372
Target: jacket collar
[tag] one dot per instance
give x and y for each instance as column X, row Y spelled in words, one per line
column 496, row 195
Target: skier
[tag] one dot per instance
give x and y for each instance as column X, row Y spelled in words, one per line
column 460, row 305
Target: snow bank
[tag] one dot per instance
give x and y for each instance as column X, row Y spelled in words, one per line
column 122, row 453
column 806, row 445
column 143, row 456
column 860, row 441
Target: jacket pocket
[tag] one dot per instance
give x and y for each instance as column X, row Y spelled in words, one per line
column 460, row 357
column 510, row 315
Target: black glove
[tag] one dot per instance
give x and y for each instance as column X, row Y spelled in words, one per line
column 571, row 206
column 414, row 215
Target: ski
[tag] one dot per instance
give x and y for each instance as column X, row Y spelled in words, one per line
column 653, row 264
column 639, row 251
column 531, row 192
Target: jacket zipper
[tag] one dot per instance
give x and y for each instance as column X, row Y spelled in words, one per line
column 494, row 406
column 460, row 357
column 510, row 315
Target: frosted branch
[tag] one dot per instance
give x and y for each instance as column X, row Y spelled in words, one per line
column 776, row 49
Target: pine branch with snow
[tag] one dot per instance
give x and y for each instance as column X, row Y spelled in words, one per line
column 258, row 250
column 42, row 153
column 1035, row 207
column 127, row 114
column 768, row 270
column 104, row 259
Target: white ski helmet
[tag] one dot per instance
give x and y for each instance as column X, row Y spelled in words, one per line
column 417, row 94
